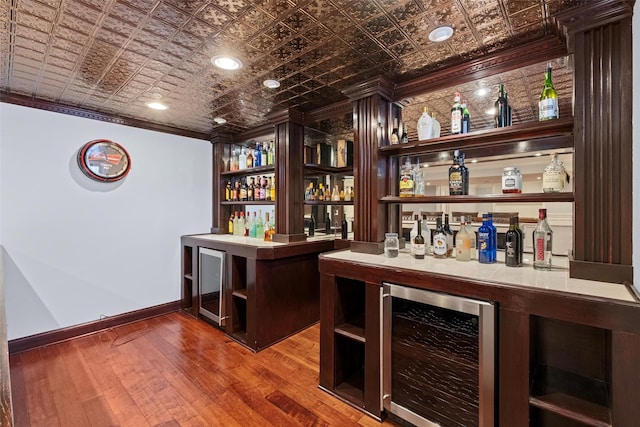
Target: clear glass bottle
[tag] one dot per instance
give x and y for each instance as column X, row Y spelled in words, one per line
column 259, row 224
column 463, row 242
column 268, row 236
column 335, row 194
column 242, row 159
column 406, row 180
column 554, row 176
column 395, row 136
column 257, row 156
column 436, row 127
column 426, row 231
column 542, row 242
column 414, row 232
column 513, row 245
column 548, row 105
column 404, row 137
column 511, row 180
column 472, row 237
column 456, row 115
column 418, row 242
column 425, row 126
column 391, row 245
column 439, row 241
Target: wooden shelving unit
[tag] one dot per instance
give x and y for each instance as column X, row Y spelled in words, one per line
column 485, row 198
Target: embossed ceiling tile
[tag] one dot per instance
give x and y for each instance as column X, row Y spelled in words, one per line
column 297, row 20
column 107, row 36
column 187, row 40
column 24, row 19
column 239, row 32
column 443, row 13
column 200, row 28
column 214, row 16
column 118, row 26
column 256, row 18
column 66, row 64
column 402, row 12
column 401, row 49
column 338, row 23
column 492, row 33
column 170, row 14
column 129, row 14
column 30, row 50
column 390, row 37
column 69, row 34
column 298, row 44
column 140, row 48
column 88, row 13
column 77, row 24
column 142, row 80
column 232, row 7
column 316, row 34
column 65, row 45
column 378, row 25
column 319, row 8
column 159, row 28
column 279, row 33
column 554, row 6
column 36, row 8
column 96, row 4
column 514, row 6
column 262, row 42
column 24, row 64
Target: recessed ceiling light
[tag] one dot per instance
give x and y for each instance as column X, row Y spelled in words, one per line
column 441, row 33
column 271, row 84
column 157, row 105
column 474, row 161
column 491, row 111
column 220, row 120
column 482, row 92
column 226, row 62
column 538, row 154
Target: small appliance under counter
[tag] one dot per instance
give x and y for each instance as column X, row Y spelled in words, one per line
column 257, row 292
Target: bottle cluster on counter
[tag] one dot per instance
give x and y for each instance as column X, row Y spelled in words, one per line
column 324, row 193
column 247, row 157
column 252, row 226
column 483, row 248
column 251, row 189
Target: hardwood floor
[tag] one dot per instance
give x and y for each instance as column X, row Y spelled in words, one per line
column 174, row 370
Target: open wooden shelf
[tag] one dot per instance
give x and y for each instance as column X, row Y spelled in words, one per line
column 328, row 203
column 486, row 198
column 570, row 395
column 240, row 293
column 314, row 169
column 250, row 171
column 353, row 329
column 249, row 202
column 188, row 276
column 352, row 388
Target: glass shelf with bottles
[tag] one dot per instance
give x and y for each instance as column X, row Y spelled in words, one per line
column 250, row 190
column 252, row 157
column 329, row 190
column 536, row 176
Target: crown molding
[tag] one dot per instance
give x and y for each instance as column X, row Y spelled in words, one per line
column 376, row 86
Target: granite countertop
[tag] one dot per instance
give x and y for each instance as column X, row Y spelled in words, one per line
column 556, row 279
column 254, row 242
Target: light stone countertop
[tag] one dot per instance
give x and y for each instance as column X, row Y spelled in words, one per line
column 254, row 242
column 526, row 276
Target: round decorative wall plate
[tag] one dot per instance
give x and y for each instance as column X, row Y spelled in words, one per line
column 104, row 160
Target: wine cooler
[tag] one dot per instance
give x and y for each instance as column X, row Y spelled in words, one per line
column 438, row 358
column 211, row 282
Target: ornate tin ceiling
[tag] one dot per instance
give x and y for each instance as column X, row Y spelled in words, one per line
column 114, row 56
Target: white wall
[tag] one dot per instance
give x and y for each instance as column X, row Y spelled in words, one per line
column 636, row 140
column 76, row 249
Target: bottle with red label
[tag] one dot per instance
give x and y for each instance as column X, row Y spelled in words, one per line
column 542, row 240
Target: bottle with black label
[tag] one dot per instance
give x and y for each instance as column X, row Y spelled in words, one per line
column 458, row 176
column 456, row 115
column 439, row 241
column 513, row 245
column 449, row 234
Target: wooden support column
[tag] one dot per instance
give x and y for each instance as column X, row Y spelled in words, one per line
column 371, row 107
column 289, row 144
column 599, row 35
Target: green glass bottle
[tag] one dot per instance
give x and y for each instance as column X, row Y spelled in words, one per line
column 548, row 105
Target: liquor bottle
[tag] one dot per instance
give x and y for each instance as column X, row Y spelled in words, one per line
column 466, row 118
column 456, row 115
column 426, row 232
column 463, row 242
column 395, row 136
column 347, row 194
column 327, row 224
column 418, row 242
column 312, row 226
column 251, row 225
column 273, row 189
column 243, row 191
column 406, row 180
column 449, row 234
column 351, row 193
column 436, row 127
column 513, row 244
column 414, row 232
column 342, row 194
column 484, row 242
column 250, row 159
column 234, row 160
column 519, row 230
column 494, row 237
column 272, row 153
column 404, row 137
column 335, row 194
column 439, row 241
column 272, row 224
column 242, row 159
column 234, row 226
column 327, row 193
column 241, row 225
column 554, row 176
column 548, row 105
column 231, row 219
column 250, row 190
column 458, row 176
column 228, row 190
column 344, row 227
column 542, row 240
column 268, row 237
column 259, row 226
column 501, row 108
column 320, row 192
column 425, row 126
column 247, row 224
column 257, row 156
column 265, row 154
column 472, row 237
column 236, row 191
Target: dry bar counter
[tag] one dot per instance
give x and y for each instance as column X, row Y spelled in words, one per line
column 258, row 292
column 463, row 343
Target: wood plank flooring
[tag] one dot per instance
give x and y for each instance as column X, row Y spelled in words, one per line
column 174, row 370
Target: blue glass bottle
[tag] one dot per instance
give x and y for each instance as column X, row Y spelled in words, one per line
column 484, row 242
column 494, row 238
column 257, row 156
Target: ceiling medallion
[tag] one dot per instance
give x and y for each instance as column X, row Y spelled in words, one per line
column 271, row 84
column 440, row 34
column 226, row 62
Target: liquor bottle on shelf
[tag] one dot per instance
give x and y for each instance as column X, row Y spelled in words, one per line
column 335, row 194
column 458, row 176
column 466, row 118
column 341, row 195
column 236, row 224
column 347, row 194
column 542, row 240
column 351, row 193
column 404, row 137
column 456, row 115
column 463, row 242
column 257, row 156
column 472, row 237
column 259, row 224
column 406, row 179
column 272, row 153
column 425, row 126
column 234, row 160
column 414, row 232
column 227, row 193
column 439, row 241
column 249, row 158
column 449, row 234
column 241, row 225
column 436, row 127
column 554, row 176
column 242, row 159
column 395, row 136
column 494, row 237
column 548, row 105
column 519, row 230
column 327, row 193
column 250, row 190
column 327, row 224
column 426, row 231
column 272, row 192
column 268, row 237
column 312, row 226
column 513, row 245
column 320, row 192
column 344, row 227
column 247, row 224
column 251, row 224
column 484, row 242
column 236, row 191
column 501, row 109
column 244, row 191
column 418, row 242
column 230, row 226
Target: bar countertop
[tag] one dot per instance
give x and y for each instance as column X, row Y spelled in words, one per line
column 526, row 276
